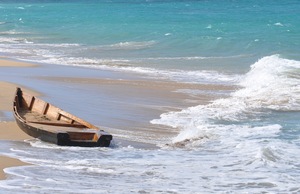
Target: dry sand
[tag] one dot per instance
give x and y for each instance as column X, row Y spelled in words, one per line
column 9, row 129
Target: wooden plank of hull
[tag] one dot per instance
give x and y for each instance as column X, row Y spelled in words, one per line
column 43, row 135
column 65, row 129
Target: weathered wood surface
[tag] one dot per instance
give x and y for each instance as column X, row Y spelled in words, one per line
column 50, row 123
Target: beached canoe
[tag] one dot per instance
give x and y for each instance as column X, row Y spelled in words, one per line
column 42, row 120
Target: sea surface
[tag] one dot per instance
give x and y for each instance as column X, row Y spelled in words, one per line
column 245, row 141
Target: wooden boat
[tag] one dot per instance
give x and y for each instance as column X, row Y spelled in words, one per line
column 42, row 120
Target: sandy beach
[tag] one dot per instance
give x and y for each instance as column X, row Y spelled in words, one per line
column 9, row 129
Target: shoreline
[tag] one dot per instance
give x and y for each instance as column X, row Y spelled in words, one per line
column 7, row 162
column 14, row 133
column 127, row 103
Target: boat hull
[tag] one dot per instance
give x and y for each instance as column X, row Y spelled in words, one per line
column 59, row 133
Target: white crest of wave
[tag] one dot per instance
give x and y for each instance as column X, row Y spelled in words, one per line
column 12, row 40
column 12, row 32
column 272, row 83
column 278, row 24
column 125, row 65
column 132, row 45
column 63, row 45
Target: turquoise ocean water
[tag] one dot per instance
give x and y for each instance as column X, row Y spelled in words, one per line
column 247, row 142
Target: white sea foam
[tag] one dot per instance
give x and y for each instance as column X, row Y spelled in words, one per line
column 12, row 32
column 144, row 169
column 175, row 75
column 20, row 51
column 44, row 145
column 272, row 83
column 125, row 65
column 209, row 26
column 131, row 45
column 195, row 57
column 59, row 54
column 278, row 24
column 11, row 40
column 62, row 45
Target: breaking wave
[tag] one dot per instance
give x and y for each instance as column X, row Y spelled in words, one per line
column 272, row 84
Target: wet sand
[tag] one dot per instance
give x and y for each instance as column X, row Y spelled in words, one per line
column 6, row 162
column 128, row 105
column 9, row 129
column 123, row 105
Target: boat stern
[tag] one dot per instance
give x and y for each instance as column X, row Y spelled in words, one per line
column 104, row 139
column 63, row 139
